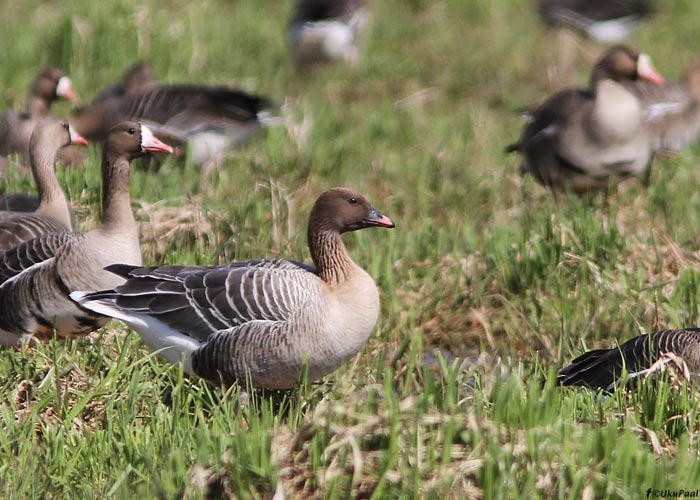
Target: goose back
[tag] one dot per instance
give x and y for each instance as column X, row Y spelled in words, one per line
column 601, row 369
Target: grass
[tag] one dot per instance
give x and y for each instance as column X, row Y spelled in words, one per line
column 487, row 285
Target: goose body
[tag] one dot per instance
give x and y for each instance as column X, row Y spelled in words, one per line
column 601, row 369
column 584, row 139
column 609, row 21
column 258, row 321
column 37, row 275
column 326, row 30
column 16, row 128
column 53, row 213
column 210, row 120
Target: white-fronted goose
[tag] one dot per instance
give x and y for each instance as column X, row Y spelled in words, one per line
column 53, row 213
column 16, row 128
column 584, row 139
column 37, row 275
column 672, row 110
column 609, row 21
column 258, row 320
column 326, row 30
column 601, row 369
column 210, row 121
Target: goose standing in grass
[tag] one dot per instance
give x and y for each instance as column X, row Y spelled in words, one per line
column 601, row 369
column 326, row 30
column 37, row 275
column 53, row 213
column 208, row 122
column 259, row 321
column 609, row 21
column 16, row 128
column 585, row 139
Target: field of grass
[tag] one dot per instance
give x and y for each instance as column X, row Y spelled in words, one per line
column 487, row 285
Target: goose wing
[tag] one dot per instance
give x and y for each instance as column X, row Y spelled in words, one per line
column 31, row 253
column 200, row 301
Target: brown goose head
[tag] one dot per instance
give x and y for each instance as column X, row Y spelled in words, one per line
column 52, row 84
column 132, row 140
column 342, row 210
column 625, row 63
column 52, row 134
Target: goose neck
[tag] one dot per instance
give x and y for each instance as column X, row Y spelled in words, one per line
column 116, row 203
column 330, row 256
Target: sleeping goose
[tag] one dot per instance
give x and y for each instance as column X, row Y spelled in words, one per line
column 53, row 213
column 37, row 275
column 326, row 30
column 584, row 139
column 601, row 369
column 263, row 320
column 16, row 128
column 609, row 21
column 210, row 121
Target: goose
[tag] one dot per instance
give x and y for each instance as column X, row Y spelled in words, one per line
column 138, row 78
column 210, row 121
column 53, row 213
column 37, row 275
column 258, row 321
column 601, row 369
column 672, row 110
column 609, row 21
column 16, row 128
column 326, row 30
column 583, row 139
column 19, row 202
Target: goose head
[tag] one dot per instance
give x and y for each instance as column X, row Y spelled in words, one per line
column 52, row 134
column 342, row 210
column 626, row 63
column 133, row 140
column 52, row 84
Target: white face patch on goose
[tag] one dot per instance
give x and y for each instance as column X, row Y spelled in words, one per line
column 146, row 137
column 75, row 137
column 64, row 88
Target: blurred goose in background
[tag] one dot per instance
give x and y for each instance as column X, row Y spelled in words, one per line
column 584, row 139
column 601, row 369
column 260, row 321
column 16, row 128
column 208, row 122
column 672, row 110
column 326, row 30
column 608, row 21
column 138, row 78
column 53, row 213
column 37, row 275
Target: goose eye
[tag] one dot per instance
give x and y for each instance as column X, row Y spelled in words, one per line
column 132, row 131
column 352, row 201
column 64, row 125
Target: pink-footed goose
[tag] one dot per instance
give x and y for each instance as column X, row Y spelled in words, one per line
column 53, row 213
column 326, row 30
column 37, row 275
column 16, row 128
column 584, row 139
column 207, row 122
column 259, row 321
column 602, row 369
